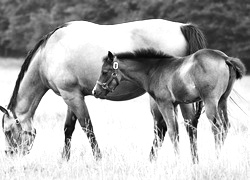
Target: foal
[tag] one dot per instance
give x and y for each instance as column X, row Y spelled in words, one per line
column 207, row 75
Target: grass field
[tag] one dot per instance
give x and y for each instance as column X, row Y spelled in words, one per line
column 124, row 131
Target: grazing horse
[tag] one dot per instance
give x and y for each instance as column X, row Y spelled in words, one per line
column 207, row 75
column 68, row 61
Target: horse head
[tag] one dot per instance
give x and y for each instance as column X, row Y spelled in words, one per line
column 19, row 135
column 110, row 77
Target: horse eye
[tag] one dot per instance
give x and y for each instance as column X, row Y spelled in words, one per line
column 7, row 133
column 104, row 72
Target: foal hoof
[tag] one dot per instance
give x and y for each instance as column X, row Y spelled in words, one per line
column 65, row 155
column 152, row 155
column 195, row 160
column 152, row 158
column 98, row 156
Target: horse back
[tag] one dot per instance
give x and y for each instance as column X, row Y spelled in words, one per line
column 76, row 50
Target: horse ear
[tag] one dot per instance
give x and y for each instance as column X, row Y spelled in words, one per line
column 110, row 56
column 5, row 111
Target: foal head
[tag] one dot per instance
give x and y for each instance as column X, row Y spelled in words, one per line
column 18, row 140
column 110, row 77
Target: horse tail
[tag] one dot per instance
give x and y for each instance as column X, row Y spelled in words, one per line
column 236, row 71
column 237, row 66
column 195, row 38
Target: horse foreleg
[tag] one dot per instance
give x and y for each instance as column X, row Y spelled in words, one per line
column 168, row 111
column 160, row 129
column 69, row 128
column 76, row 102
column 87, row 127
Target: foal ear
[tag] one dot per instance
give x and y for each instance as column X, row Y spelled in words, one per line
column 110, row 56
column 5, row 111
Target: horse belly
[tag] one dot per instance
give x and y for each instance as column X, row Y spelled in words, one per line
column 186, row 94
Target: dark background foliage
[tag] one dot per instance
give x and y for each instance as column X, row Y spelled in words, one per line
column 226, row 23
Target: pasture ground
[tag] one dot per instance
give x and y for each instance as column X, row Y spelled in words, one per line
column 124, row 131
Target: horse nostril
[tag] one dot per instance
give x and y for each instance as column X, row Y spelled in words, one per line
column 10, row 152
column 95, row 93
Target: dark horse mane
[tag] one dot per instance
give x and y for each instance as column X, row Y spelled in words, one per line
column 26, row 64
column 147, row 54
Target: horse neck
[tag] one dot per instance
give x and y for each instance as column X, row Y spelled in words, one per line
column 30, row 92
column 137, row 72
column 148, row 73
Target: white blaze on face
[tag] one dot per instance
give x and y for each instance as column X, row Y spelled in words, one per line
column 94, row 89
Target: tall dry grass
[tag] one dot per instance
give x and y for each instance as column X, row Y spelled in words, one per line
column 124, row 131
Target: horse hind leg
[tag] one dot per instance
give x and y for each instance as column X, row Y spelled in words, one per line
column 224, row 117
column 191, row 116
column 160, row 129
column 223, row 109
column 69, row 128
column 212, row 112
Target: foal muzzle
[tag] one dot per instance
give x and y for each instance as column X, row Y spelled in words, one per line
column 106, row 85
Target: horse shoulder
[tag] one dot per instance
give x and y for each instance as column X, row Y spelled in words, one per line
column 62, row 80
column 56, row 72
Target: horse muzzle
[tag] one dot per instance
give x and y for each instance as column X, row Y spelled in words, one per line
column 99, row 93
column 14, row 152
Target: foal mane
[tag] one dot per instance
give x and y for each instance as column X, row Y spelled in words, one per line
column 25, row 65
column 147, row 54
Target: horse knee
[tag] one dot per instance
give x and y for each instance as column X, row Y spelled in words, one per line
column 160, row 129
column 211, row 112
column 86, row 125
column 68, row 130
column 173, row 134
column 173, row 130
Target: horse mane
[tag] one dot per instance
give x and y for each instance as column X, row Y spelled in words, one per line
column 147, row 54
column 25, row 65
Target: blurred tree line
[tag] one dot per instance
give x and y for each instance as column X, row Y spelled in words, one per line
column 226, row 23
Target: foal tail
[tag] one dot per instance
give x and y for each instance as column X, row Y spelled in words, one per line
column 236, row 71
column 237, row 68
column 194, row 37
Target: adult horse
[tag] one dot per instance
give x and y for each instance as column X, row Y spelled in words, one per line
column 206, row 75
column 68, row 61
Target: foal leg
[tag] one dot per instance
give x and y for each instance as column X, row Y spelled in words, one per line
column 212, row 113
column 191, row 116
column 69, row 128
column 160, row 129
column 224, row 117
column 168, row 111
column 76, row 102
